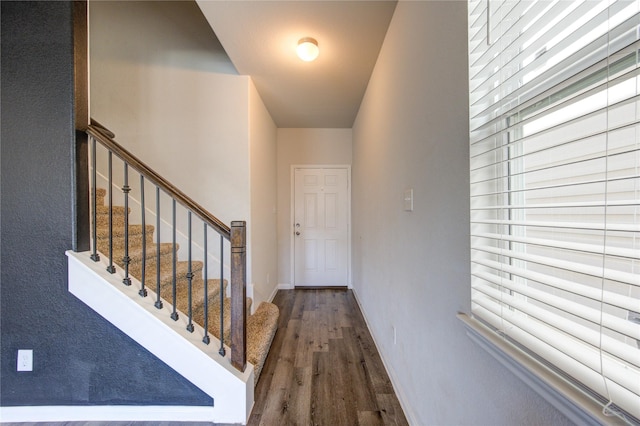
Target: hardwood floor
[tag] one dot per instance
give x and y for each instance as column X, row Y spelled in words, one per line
column 323, row 367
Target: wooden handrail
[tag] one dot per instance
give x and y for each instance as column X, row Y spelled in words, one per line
column 105, row 137
column 106, row 131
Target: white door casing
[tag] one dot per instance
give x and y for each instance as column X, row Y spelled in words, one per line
column 320, row 226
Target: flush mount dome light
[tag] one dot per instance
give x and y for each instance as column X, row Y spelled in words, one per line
column 307, row 49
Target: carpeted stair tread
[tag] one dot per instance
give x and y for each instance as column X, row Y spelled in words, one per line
column 197, row 296
column 118, row 232
column 166, row 274
column 213, row 287
column 135, row 254
column 101, row 193
column 115, row 210
column 101, row 196
column 135, row 237
column 117, row 219
column 261, row 328
column 197, row 291
column 214, row 316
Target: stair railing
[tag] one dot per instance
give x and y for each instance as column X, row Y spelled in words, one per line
column 235, row 234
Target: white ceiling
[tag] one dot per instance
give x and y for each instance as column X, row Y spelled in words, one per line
column 260, row 38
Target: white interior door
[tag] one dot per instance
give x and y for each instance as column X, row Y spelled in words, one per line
column 321, row 227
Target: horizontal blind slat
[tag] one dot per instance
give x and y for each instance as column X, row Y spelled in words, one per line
column 581, row 268
column 626, row 328
column 561, row 205
column 588, row 248
column 613, row 299
column 621, row 227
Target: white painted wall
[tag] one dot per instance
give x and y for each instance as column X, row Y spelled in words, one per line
column 411, row 269
column 263, row 181
column 159, row 85
column 303, row 147
column 161, row 81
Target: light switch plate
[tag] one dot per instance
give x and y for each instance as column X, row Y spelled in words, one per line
column 408, row 200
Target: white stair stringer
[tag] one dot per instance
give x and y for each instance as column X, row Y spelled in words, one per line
column 232, row 391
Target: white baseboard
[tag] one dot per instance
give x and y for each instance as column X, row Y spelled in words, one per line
column 273, row 293
column 411, row 418
column 250, row 290
column 103, row 413
column 285, row 286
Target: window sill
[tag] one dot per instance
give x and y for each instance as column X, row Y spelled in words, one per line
column 570, row 401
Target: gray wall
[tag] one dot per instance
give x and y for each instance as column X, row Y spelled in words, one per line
column 411, row 269
column 79, row 358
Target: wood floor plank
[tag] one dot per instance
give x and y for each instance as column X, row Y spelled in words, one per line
column 378, row 376
column 284, row 300
column 370, row 418
column 275, row 405
column 375, row 368
column 323, row 367
column 299, row 304
column 330, row 398
column 391, row 410
column 358, row 374
column 300, row 406
column 308, row 341
column 321, row 390
column 322, row 328
column 268, row 370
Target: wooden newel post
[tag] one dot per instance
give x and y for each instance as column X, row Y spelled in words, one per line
column 239, row 294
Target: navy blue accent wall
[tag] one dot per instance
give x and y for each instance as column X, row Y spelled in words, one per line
column 79, row 358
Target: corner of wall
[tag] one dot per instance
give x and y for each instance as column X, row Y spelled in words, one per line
column 262, row 260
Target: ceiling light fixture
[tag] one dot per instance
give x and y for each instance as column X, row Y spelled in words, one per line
column 307, row 49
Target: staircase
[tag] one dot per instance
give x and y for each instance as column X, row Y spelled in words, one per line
column 261, row 325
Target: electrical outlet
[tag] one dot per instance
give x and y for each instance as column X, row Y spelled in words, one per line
column 25, row 360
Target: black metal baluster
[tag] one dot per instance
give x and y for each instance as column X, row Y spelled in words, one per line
column 94, row 199
column 126, row 260
column 206, row 338
column 158, row 303
column 222, row 351
column 174, row 314
column 110, row 269
column 189, row 275
column 143, row 290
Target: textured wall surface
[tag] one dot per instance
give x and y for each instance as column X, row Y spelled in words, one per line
column 79, row 358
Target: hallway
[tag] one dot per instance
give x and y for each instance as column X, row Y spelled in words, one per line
column 323, row 367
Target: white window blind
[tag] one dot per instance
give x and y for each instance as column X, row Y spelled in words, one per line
column 555, row 187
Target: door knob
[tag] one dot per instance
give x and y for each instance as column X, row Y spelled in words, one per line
column 297, row 232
